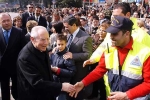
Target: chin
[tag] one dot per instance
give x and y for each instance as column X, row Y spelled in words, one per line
column 43, row 50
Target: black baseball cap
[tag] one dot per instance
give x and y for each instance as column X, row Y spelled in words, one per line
column 119, row 23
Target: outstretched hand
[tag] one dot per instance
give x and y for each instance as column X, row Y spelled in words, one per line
column 87, row 62
column 78, row 86
column 67, row 87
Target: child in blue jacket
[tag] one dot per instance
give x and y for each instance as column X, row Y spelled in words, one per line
column 63, row 69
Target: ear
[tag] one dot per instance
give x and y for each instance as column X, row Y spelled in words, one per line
column 74, row 25
column 32, row 39
column 128, row 33
column 128, row 15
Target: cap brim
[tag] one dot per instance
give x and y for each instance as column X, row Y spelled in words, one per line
column 112, row 30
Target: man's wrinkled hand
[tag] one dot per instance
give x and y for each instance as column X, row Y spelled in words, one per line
column 67, row 87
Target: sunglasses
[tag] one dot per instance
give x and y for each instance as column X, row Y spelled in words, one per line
column 30, row 7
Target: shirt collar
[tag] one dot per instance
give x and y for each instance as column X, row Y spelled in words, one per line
column 75, row 32
column 6, row 30
column 128, row 46
column 30, row 13
column 29, row 33
column 37, row 17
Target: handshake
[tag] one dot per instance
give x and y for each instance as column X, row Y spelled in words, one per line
column 73, row 90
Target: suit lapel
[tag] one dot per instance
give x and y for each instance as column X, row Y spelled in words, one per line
column 76, row 39
column 28, row 14
column 33, row 18
column 3, row 45
column 39, row 20
column 12, row 37
column 2, row 39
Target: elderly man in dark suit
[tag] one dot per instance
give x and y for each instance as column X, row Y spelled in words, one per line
column 80, row 49
column 35, row 80
column 37, row 17
column 27, row 14
column 12, row 40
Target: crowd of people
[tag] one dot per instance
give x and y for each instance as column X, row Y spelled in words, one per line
column 73, row 53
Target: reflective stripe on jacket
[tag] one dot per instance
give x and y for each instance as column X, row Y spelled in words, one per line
column 131, row 74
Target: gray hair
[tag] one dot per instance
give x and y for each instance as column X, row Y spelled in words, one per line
column 37, row 30
column 5, row 14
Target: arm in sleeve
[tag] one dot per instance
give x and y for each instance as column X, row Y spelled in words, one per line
column 101, row 48
column 97, row 73
column 22, row 39
column 35, row 79
column 45, row 23
column 97, row 54
column 86, row 51
column 70, row 69
column 144, row 88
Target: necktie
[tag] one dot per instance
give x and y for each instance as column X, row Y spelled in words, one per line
column 6, row 36
column 30, row 14
column 37, row 19
column 69, row 41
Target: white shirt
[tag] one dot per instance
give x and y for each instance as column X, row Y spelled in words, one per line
column 75, row 33
column 30, row 14
column 37, row 18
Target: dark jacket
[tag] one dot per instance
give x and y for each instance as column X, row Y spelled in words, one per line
column 35, row 80
column 42, row 21
column 25, row 16
column 67, row 67
column 27, row 37
column 9, row 53
column 81, row 49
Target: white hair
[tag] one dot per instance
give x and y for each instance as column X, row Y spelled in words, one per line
column 38, row 30
column 4, row 14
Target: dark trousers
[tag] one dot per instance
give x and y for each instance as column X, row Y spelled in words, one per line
column 98, row 85
column 79, row 96
column 63, row 96
column 5, row 77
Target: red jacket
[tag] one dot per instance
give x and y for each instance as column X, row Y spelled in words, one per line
column 138, row 91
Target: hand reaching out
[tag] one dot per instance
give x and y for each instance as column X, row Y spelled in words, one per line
column 67, row 87
column 78, row 86
column 87, row 62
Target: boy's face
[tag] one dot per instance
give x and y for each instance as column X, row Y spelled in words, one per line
column 61, row 44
